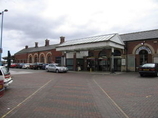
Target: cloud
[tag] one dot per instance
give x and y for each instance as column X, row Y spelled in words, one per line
column 32, row 21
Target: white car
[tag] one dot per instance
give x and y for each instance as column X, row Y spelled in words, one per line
column 26, row 66
column 5, row 75
column 56, row 68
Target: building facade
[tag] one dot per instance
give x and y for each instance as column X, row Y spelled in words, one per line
column 113, row 52
column 43, row 54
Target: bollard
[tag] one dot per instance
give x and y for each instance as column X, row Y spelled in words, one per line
column 90, row 69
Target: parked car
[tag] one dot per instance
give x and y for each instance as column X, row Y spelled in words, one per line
column 19, row 65
column 56, row 68
column 1, row 86
column 36, row 66
column 26, row 66
column 148, row 69
column 6, row 76
column 13, row 65
column 44, row 66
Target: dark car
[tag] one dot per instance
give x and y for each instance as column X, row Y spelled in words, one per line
column 148, row 69
column 19, row 65
column 36, row 66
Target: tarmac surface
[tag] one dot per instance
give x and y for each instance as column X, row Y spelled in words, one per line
column 40, row 94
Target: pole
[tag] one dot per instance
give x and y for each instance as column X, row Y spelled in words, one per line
column 2, row 13
column 1, row 39
column 112, row 60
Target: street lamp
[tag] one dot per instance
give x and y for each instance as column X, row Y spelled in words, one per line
column 1, row 13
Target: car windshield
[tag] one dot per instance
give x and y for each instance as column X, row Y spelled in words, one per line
column 148, row 65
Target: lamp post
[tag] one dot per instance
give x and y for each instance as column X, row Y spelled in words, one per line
column 1, row 13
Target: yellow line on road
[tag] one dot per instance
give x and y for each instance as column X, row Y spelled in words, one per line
column 111, row 100
column 26, row 99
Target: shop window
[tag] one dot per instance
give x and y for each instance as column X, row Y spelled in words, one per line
column 58, row 60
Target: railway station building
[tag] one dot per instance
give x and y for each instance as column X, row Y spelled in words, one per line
column 110, row 52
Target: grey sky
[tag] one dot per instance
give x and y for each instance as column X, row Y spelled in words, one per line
column 29, row 21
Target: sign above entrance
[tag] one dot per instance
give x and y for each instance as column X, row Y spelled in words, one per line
column 143, row 48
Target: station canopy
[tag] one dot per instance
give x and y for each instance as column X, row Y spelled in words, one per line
column 96, row 42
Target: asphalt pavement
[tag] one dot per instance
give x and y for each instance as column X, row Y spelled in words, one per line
column 40, row 94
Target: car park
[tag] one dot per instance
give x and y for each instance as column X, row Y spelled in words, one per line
column 56, row 68
column 148, row 69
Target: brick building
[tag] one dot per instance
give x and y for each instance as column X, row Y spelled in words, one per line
column 43, row 54
column 112, row 52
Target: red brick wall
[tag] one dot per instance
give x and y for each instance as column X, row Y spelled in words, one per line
column 23, row 58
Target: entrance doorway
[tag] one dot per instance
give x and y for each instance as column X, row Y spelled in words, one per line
column 117, row 64
column 143, row 57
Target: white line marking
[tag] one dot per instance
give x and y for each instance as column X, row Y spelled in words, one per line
column 111, row 100
column 26, row 99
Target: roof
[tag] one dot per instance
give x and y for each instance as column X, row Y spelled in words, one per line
column 150, row 34
column 93, row 39
column 37, row 49
column 103, row 41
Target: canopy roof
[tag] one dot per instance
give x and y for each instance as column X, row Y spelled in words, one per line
column 103, row 41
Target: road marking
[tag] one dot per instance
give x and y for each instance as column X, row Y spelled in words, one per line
column 25, row 99
column 111, row 100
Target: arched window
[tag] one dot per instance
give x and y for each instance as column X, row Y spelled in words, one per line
column 42, row 59
column 36, row 59
column 49, row 59
column 30, row 59
column 102, row 53
column 143, row 57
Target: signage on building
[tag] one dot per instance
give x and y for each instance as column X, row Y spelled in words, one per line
column 143, row 48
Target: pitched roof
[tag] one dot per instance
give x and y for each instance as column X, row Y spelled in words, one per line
column 33, row 49
column 150, row 34
column 93, row 39
column 106, row 41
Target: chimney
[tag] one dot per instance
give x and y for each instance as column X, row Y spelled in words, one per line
column 26, row 47
column 62, row 39
column 36, row 44
column 46, row 42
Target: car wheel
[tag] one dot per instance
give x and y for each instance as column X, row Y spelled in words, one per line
column 47, row 70
column 142, row 75
column 156, row 74
column 57, row 71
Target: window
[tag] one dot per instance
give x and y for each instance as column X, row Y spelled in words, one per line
column 30, row 59
column 117, row 53
column 49, row 59
column 36, row 59
column 42, row 59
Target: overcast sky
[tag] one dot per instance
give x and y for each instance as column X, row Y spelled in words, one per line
column 30, row 21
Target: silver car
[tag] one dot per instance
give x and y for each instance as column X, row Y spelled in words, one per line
column 56, row 68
